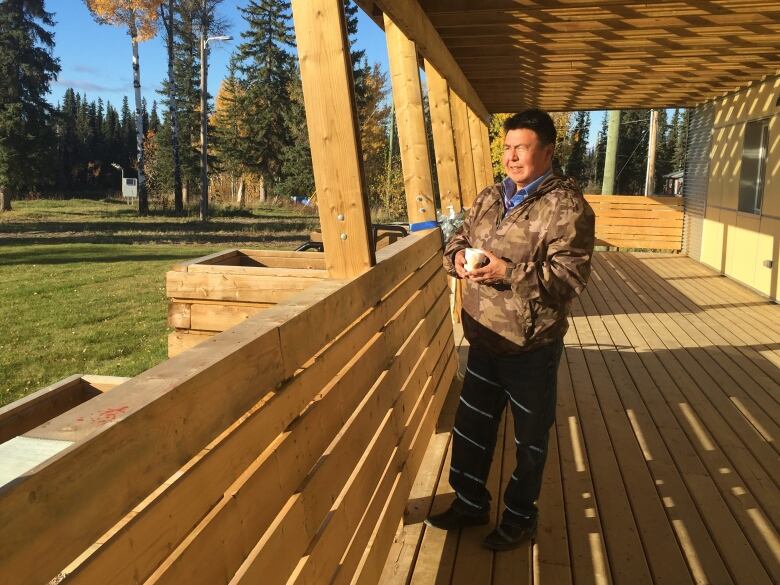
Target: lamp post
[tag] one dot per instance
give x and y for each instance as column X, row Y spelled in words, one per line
column 204, row 122
column 122, row 170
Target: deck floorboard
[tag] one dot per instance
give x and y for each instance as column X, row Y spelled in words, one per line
column 663, row 463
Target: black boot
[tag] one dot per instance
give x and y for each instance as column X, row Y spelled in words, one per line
column 454, row 518
column 509, row 536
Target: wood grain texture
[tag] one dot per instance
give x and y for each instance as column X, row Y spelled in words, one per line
column 412, row 135
column 443, row 139
column 328, row 91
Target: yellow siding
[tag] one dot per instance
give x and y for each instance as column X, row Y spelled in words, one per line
column 767, row 280
column 742, row 249
column 712, row 239
column 737, row 243
column 757, row 101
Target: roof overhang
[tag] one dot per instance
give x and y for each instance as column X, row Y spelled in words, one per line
column 579, row 55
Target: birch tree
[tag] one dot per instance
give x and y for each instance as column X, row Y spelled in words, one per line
column 140, row 19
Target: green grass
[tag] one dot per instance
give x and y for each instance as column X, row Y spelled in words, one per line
column 83, row 290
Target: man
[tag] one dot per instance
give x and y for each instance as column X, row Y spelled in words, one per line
column 537, row 233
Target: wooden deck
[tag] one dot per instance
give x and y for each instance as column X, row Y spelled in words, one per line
column 664, row 464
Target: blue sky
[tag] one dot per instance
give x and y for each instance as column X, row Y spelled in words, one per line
column 96, row 59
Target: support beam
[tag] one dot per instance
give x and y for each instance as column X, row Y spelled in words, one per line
column 651, row 148
column 443, row 139
column 412, row 20
column 412, row 139
column 460, row 122
column 477, row 150
column 331, row 118
column 610, row 158
column 489, row 179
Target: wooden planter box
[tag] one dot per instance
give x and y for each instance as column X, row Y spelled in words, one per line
column 213, row 293
column 19, row 454
column 31, row 411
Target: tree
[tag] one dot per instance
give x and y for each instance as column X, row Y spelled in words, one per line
column 632, row 151
column 577, row 165
column 496, row 134
column 664, row 151
column 562, row 121
column 229, row 131
column 167, row 16
column 154, row 119
column 680, row 138
column 267, row 70
column 27, row 67
column 600, row 155
column 140, row 18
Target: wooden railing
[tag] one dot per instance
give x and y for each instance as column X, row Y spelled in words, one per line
column 634, row 221
column 281, row 450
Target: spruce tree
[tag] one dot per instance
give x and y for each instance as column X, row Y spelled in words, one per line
column 154, row 118
column 27, row 67
column 664, row 151
column 632, row 152
column 187, row 79
column 600, row 154
column 267, row 67
column 576, row 166
column 680, row 139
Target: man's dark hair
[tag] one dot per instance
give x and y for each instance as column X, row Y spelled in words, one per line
column 537, row 120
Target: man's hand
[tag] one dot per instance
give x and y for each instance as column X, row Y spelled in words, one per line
column 460, row 264
column 491, row 273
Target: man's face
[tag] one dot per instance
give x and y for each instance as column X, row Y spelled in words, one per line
column 525, row 157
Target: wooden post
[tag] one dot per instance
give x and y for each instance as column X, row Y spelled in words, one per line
column 651, row 147
column 407, row 97
column 443, row 139
column 489, row 179
column 460, row 122
column 477, row 153
column 328, row 94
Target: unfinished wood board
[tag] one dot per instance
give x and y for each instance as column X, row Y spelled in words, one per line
column 463, row 152
column 412, row 135
column 443, row 140
column 331, row 118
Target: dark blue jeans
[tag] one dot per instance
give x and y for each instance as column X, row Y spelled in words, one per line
column 527, row 382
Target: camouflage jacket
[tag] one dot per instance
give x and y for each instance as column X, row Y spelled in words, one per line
column 549, row 240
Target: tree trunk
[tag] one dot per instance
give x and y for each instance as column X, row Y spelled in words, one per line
column 261, row 190
column 240, row 195
column 5, row 199
column 143, row 201
column 185, row 191
column 178, row 200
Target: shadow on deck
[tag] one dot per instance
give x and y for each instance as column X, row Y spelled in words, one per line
column 663, row 467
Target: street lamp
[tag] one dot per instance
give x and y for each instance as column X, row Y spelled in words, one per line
column 204, row 123
column 122, row 170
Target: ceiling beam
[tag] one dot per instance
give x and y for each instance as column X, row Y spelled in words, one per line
column 413, row 21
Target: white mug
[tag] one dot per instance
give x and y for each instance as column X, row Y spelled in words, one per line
column 474, row 257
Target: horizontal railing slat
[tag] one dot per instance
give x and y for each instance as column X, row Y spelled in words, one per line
column 128, row 442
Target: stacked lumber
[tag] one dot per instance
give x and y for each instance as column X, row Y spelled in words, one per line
column 213, row 293
column 280, row 451
column 632, row 221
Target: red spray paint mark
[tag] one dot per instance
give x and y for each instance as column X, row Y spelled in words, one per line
column 108, row 415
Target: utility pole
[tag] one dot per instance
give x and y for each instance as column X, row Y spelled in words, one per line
column 610, row 159
column 204, row 120
column 651, row 148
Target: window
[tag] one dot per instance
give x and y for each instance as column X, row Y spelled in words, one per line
column 754, row 153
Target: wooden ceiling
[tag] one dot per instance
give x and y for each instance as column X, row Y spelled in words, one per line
column 579, row 54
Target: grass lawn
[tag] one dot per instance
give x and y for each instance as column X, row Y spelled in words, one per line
column 83, row 284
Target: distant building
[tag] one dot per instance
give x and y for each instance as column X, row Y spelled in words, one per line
column 673, row 183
